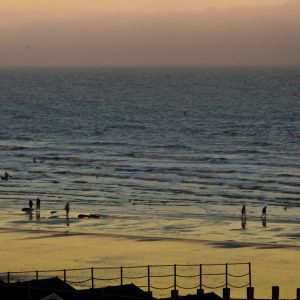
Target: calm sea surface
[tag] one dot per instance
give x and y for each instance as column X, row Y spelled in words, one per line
column 157, row 152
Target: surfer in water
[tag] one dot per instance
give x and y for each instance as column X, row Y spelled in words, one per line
column 6, row 176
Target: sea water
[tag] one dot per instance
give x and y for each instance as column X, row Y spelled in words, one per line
column 155, row 152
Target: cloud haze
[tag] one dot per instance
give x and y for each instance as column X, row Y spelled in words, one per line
column 140, row 36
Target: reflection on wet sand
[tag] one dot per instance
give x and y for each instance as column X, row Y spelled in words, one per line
column 37, row 215
column 243, row 223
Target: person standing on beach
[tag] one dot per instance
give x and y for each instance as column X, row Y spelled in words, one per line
column 264, row 212
column 243, row 212
column 67, row 209
column 38, row 204
column 30, row 204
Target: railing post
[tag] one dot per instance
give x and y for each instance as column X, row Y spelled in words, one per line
column 121, row 275
column 148, row 276
column 175, row 284
column 37, row 275
column 174, row 292
column 65, row 275
column 226, row 293
column 250, row 293
column 275, row 292
column 226, row 290
column 250, row 280
column 92, row 277
column 148, row 283
column 201, row 276
column 200, row 291
column 226, row 276
column 8, row 277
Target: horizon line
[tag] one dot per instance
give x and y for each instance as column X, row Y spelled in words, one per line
column 225, row 66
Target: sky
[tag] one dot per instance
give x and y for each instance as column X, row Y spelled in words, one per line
column 149, row 32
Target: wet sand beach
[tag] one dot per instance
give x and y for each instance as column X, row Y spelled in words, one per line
column 35, row 247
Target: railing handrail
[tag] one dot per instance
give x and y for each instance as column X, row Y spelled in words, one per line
column 118, row 268
column 175, row 271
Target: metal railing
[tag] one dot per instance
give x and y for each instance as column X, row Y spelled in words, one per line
column 150, row 277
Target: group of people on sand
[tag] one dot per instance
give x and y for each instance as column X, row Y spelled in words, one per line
column 263, row 216
column 38, row 200
column 38, row 206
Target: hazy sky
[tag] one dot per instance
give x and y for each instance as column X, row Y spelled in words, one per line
column 149, row 32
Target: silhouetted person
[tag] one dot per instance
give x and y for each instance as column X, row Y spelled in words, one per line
column 38, row 204
column 243, row 212
column 6, row 176
column 67, row 209
column 30, row 204
column 264, row 212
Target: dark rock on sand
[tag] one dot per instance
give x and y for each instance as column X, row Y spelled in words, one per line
column 26, row 209
column 82, row 216
column 93, row 216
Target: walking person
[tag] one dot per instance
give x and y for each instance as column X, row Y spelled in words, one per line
column 243, row 212
column 38, row 204
column 264, row 212
column 30, row 204
column 67, row 209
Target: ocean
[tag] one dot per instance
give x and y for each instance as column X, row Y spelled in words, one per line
column 170, row 152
